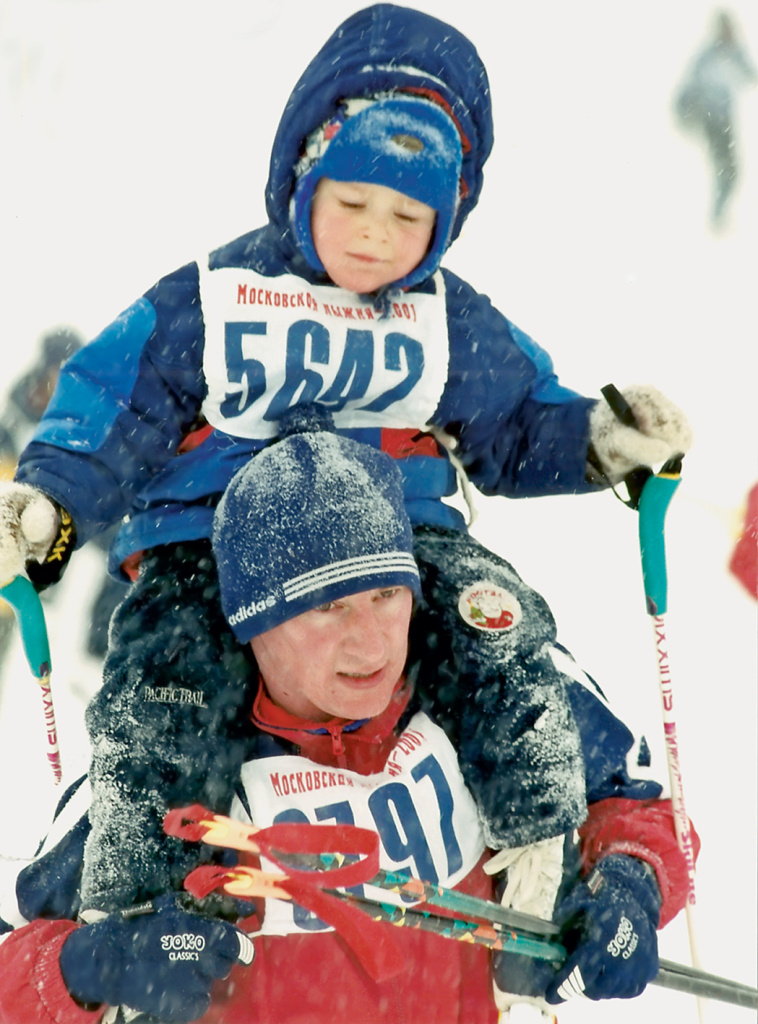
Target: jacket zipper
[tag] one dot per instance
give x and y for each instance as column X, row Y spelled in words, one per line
column 338, row 746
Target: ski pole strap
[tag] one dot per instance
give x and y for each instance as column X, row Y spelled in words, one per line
column 354, row 851
column 195, row 824
column 654, row 502
column 347, row 841
column 27, row 607
column 650, row 495
column 636, row 479
column 315, row 846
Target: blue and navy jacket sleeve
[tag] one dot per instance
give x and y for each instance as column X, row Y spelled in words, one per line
column 122, row 406
column 617, row 762
column 520, row 432
column 48, row 885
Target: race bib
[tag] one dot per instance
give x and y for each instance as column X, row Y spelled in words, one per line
column 426, row 819
column 275, row 342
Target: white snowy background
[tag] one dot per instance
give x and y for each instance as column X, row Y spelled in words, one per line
column 136, row 135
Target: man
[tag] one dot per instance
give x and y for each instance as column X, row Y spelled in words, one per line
column 315, row 560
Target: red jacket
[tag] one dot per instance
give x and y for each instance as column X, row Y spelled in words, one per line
column 294, row 978
column 311, row 978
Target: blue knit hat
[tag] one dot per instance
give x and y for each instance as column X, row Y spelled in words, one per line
column 402, row 142
column 310, row 519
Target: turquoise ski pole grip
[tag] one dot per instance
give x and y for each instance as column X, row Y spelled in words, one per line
column 654, row 502
column 25, row 602
column 27, row 607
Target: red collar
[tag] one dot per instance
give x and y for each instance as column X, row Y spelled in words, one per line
column 334, row 741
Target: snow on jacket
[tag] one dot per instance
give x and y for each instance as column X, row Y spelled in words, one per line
column 152, row 418
column 398, row 765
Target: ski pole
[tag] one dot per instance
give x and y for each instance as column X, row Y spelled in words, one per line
column 653, row 502
column 27, row 607
column 696, row 982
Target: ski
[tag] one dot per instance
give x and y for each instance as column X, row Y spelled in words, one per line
column 492, row 935
column 671, row 975
column 465, row 918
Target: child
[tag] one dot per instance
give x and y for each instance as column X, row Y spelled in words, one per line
column 338, row 299
column 338, row 734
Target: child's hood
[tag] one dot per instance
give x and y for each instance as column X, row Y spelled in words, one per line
column 381, row 48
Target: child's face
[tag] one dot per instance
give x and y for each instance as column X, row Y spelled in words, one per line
column 368, row 236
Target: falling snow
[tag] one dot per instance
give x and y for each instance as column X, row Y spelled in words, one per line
column 137, row 136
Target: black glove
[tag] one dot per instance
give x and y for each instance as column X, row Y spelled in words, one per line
column 162, row 963
column 609, row 923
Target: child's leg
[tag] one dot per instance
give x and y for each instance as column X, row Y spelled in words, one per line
column 480, row 650
column 167, row 727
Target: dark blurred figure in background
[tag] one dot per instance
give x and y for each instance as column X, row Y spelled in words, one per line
column 30, row 394
column 25, row 404
column 705, row 105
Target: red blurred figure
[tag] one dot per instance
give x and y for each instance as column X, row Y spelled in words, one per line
column 744, row 561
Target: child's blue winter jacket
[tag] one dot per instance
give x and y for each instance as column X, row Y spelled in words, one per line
column 152, row 418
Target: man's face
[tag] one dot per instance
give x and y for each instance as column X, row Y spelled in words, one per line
column 368, row 236
column 342, row 660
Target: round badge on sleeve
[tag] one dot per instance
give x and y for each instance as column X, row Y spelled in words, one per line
column 488, row 606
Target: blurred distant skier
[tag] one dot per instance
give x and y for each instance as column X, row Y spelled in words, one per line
column 705, row 105
column 28, row 397
column 743, row 563
column 24, row 407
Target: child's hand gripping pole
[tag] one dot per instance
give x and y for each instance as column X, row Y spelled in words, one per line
column 652, row 504
column 27, row 607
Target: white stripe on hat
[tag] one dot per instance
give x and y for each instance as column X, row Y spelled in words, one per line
column 349, row 568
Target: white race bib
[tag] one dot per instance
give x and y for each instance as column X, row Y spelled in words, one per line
column 426, row 819
column 275, row 342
